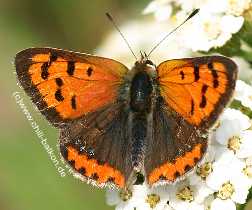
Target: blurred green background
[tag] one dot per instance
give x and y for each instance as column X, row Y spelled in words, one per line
column 28, row 179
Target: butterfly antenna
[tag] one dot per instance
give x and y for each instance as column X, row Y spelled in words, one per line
column 118, row 29
column 175, row 29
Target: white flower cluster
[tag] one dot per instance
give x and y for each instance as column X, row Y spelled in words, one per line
column 244, row 94
column 222, row 179
column 212, row 27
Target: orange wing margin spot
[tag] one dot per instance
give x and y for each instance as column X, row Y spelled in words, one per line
column 104, row 172
column 169, row 170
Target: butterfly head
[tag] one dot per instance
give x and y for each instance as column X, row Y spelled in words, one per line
column 145, row 64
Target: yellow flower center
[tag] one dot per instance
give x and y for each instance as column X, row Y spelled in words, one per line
column 125, row 194
column 226, row 191
column 185, row 194
column 152, row 200
column 204, row 170
column 234, row 143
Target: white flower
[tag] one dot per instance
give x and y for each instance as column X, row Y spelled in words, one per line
column 161, row 9
column 233, row 134
column 230, row 7
column 243, row 93
column 141, row 197
column 219, row 204
column 237, row 7
column 245, row 149
column 209, row 30
column 202, row 191
column 228, row 179
column 183, row 197
column 212, row 27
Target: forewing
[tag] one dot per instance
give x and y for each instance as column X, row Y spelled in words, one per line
column 66, row 85
column 198, row 89
column 97, row 146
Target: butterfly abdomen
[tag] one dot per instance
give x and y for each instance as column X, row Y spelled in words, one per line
column 139, row 133
column 140, row 105
column 140, row 93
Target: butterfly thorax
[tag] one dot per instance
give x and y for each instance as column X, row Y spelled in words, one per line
column 141, row 88
column 140, row 92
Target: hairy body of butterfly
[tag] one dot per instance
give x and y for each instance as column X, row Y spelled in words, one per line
column 114, row 122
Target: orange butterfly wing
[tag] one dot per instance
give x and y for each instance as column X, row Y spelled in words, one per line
column 66, row 85
column 194, row 92
column 80, row 94
column 197, row 88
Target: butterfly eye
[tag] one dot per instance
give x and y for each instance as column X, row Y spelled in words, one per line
column 149, row 62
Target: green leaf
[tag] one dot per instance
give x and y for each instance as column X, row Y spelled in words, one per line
column 246, row 31
column 247, row 56
column 237, row 105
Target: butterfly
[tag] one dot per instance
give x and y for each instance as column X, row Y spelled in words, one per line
column 115, row 122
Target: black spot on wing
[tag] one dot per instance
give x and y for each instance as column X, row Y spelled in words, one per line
column 44, row 71
column 89, row 71
column 46, row 65
column 215, row 78
column 58, row 95
column 70, row 68
column 59, row 82
column 203, row 98
column 203, row 102
column 196, row 73
column 73, row 102
column 182, row 74
column 192, row 107
column 204, row 89
column 214, row 74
